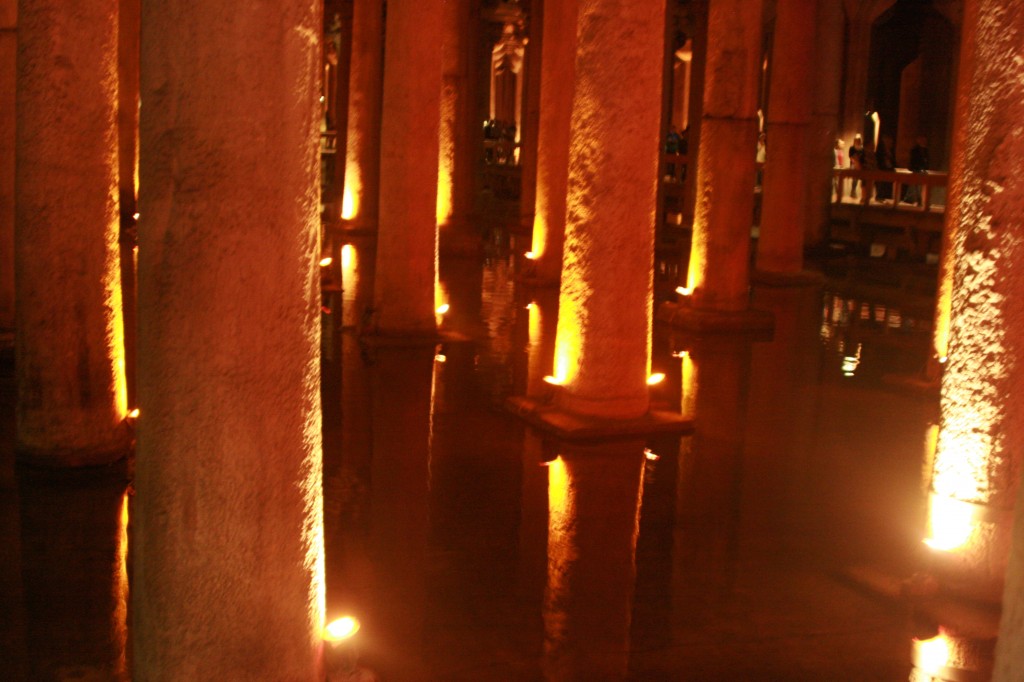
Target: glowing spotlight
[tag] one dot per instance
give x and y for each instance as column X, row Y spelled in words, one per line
column 951, row 522
column 442, row 309
column 932, row 655
column 341, row 629
column 135, row 216
column 943, row 360
column 440, row 358
column 681, row 354
column 348, row 253
column 655, row 378
column 530, row 255
column 529, row 306
column 684, row 291
column 651, row 455
column 325, row 261
column 134, row 413
column 553, row 380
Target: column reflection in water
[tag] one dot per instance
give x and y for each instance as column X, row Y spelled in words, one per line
column 73, row 535
column 709, row 474
column 594, row 504
column 401, row 387
column 541, row 322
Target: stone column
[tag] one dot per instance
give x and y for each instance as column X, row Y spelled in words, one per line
column 69, row 350
column 529, row 125
column 407, row 236
column 457, row 142
column 362, row 146
column 978, row 460
column 228, row 525
column 602, row 347
column 719, row 272
column 557, row 69
column 780, row 248
column 987, row 306
column 827, row 73
column 8, row 80
column 593, row 521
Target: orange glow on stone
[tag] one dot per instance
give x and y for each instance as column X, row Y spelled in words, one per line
column 349, row 202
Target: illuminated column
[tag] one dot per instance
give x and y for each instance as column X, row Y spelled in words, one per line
column 457, row 133
column 362, row 147
column 602, row 348
column 558, row 52
column 593, row 520
column 407, row 236
column 8, row 71
column 70, row 363
column 780, row 248
column 977, row 464
column 719, row 272
column 827, row 78
column 228, row 526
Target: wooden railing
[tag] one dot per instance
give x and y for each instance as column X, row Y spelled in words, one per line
column 926, row 182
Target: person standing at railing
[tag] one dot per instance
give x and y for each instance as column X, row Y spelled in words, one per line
column 856, row 161
column 886, row 162
column 919, row 163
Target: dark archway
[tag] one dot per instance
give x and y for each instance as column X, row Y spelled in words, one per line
column 911, row 77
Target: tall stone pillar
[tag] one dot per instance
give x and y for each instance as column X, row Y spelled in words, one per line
column 602, row 347
column 228, row 525
column 593, row 521
column 69, row 350
column 780, row 248
column 827, row 73
column 557, row 69
column 8, row 80
column 457, row 130
column 978, row 460
column 407, row 236
column 362, row 147
column 982, row 385
column 719, row 273
column 529, row 127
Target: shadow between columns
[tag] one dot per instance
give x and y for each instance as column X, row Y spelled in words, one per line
column 682, row 315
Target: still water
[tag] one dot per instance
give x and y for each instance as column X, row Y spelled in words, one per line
column 473, row 548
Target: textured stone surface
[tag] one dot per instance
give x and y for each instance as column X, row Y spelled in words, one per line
column 8, row 70
column 558, row 63
column 605, row 303
column 69, row 342
column 362, row 150
column 227, row 525
column 719, row 271
column 407, row 237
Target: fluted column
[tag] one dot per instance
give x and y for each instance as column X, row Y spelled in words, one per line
column 407, row 236
column 228, row 526
column 719, row 273
column 602, row 347
column 977, row 464
column 362, row 147
column 557, row 68
column 69, row 345
column 780, row 248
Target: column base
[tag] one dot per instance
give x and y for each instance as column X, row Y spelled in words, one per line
column 564, row 425
column 682, row 316
column 456, row 240
column 350, row 228
column 802, row 278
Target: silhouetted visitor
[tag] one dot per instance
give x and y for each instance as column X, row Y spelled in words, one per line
column 886, row 162
column 856, row 160
column 919, row 163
